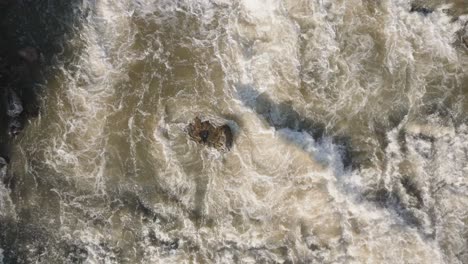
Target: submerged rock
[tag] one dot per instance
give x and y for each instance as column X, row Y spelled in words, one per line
column 219, row 137
column 29, row 54
column 15, row 107
column 420, row 9
column 464, row 35
column 3, row 167
column 14, row 127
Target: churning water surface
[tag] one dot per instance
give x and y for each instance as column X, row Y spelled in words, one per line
column 351, row 137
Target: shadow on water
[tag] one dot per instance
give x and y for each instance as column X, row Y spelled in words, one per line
column 40, row 28
column 282, row 115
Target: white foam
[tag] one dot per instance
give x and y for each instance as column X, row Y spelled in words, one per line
column 279, row 195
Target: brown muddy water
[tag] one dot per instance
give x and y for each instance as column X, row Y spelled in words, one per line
column 350, row 128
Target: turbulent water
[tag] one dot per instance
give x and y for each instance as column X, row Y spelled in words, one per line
column 349, row 118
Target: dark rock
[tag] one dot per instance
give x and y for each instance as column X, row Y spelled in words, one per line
column 464, row 35
column 3, row 162
column 412, row 189
column 15, row 107
column 207, row 134
column 313, row 247
column 163, row 243
column 14, row 127
column 3, row 167
column 75, row 253
column 420, row 9
column 29, row 54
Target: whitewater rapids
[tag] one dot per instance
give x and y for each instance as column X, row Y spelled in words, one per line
column 351, row 137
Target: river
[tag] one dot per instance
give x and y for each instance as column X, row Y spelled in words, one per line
column 349, row 122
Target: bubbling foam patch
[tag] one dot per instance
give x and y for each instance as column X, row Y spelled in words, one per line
column 138, row 190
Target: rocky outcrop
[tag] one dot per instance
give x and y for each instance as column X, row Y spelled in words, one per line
column 205, row 133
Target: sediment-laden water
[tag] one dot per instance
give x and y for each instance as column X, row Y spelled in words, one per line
column 349, row 122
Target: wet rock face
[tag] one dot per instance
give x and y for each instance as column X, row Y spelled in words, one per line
column 219, row 137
